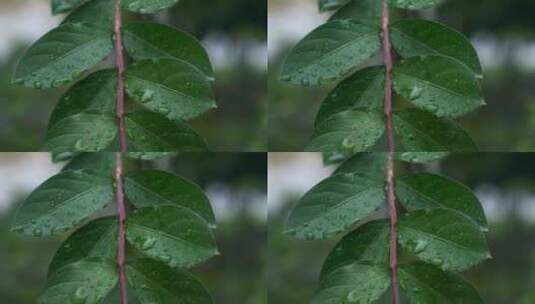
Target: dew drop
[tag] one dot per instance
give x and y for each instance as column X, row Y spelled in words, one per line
column 149, row 243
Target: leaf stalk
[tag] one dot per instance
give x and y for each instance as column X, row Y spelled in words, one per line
column 121, row 211
column 121, row 67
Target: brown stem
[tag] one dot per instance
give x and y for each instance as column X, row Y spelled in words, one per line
column 390, row 166
column 121, row 211
column 121, row 66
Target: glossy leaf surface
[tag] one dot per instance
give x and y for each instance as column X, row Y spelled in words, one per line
column 63, row 6
column 369, row 163
column 329, row 5
column 96, row 12
column 365, row 11
column 415, row 4
column 147, row 6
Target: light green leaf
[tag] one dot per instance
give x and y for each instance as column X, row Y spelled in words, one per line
column 421, row 131
column 355, row 283
column 62, row 55
column 347, row 132
column 102, row 162
column 87, row 281
column 148, row 188
column 369, row 243
column 423, row 283
column 152, row 40
column 330, row 5
column 63, row 201
column 173, row 235
column 95, row 94
column 84, row 132
column 364, row 89
column 365, row 11
column 438, row 84
column 421, row 157
column 334, row 205
column 147, row 6
column 98, row 239
column 155, row 282
column 149, row 131
column 170, row 87
column 97, row 12
column 330, row 52
column 443, row 237
column 415, row 4
column 63, row 6
column 416, row 37
column 425, row 190
column 370, row 163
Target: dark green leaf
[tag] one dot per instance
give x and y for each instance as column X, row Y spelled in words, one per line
column 424, row 283
column 173, row 235
column 97, row 239
column 364, row 89
column 421, row 157
column 97, row 12
column 149, row 131
column 95, row 94
column 87, row 281
column 62, row 202
column 152, row 41
column 415, row 4
column 170, row 87
column 425, row 190
column 62, row 55
column 63, row 6
column 155, row 282
column 99, row 162
column 355, row 283
column 334, row 205
column 422, row 37
column 443, row 237
column 421, row 131
column 84, row 132
column 348, row 132
column 368, row 243
column 152, row 187
column 149, row 155
column 330, row 5
column 438, row 84
column 366, row 163
column 147, row 6
column 330, row 52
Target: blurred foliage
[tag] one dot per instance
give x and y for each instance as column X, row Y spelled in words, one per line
column 236, row 276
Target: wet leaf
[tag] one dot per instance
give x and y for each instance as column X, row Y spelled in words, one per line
column 334, row 205
column 147, row 6
column 63, row 6
column 370, row 163
column 173, row 235
column 421, row 157
column 330, row 52
column 102, row 162
column 330, row 5
column 365, row 11
column 415, row 4
column 443, row 237
column 149, row 155
column 63, row 201
column 96, row 12
column 62, row 55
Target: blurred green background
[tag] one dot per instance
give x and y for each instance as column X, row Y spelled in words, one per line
column 503, row 32
column 233, row 31
column 234, row 182
column 504, row 182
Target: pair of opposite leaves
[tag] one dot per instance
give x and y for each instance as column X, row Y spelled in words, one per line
column 172, row 228
column 444, row 227
column 170, row 78
column 439, row 76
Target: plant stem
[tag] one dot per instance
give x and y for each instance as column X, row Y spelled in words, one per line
column 121, row 211
column 390, row 166
column 121, row 66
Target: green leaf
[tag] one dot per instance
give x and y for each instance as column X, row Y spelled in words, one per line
column 330, row 5
column 170, row 87
column 148, row 188
column 366, row 163
column 98, row 162
column 347, row 132
column 63, row 201
column 173, row 235
column 147, row 6
column 84, row 132
column 421, row 157
column 155, row 282
column 97, row 12
column 330, row 52
column 365, row 11
column 149, row 131
column 334, row 205
column 369, row 243
column 364, row 89
column 151, row 40
column 421, row 131
column 63, row 6
column 98, row 239
column 424, row 283
column 443, row 237
column 355, row 283
column 87, row 281
column 438, row 84
column 62, row 55
column 95, row 94
column 418, row 37
column 415, row 4
column 425, row 190
column 149, row 155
